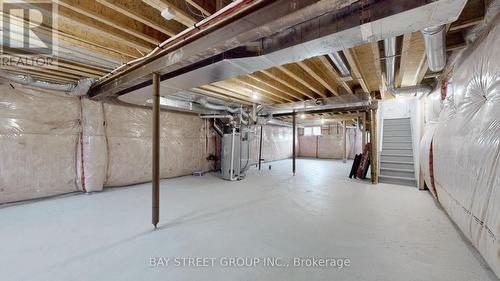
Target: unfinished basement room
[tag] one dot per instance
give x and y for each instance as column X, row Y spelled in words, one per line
column 294, row 140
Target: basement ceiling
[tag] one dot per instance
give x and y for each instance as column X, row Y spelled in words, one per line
column 100, row 35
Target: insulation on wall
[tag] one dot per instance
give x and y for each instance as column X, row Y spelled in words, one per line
column 39, row 134
column 432, row 106
column 185, row 143
column 276, row 143
column 92, row 151
column 466, row 146
column 329, row 145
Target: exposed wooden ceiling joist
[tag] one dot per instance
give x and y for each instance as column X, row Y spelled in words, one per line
column 207, row 7
column 103, row 14
column 297, row 73
column 353, row 61
column 146, row 15
column 317, row 73
column 282, row 88
column 182, row 12
column 281, row 77
column 247, row 80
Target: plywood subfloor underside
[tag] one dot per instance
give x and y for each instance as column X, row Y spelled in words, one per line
column 388, row 232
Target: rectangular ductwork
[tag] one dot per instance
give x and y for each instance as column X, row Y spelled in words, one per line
column 318, row 29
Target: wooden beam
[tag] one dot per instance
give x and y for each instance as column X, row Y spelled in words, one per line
column 404, row 59
column 224, row 91
column 235, row 85
column 109, row 17
column 344, row 141
column 263, row 88
column 74, row 42
column 465, row 24
column 72, row 18
column 258, row 76
column 210, row 93
column 297, row 73
column 182, row 14
column 352, row 59
column 281, row 77
column 333, row 72
column 207, row 7
column 317, row 73
column 373, row 140
column 414, row 61
column 144, row 15
column 376, row 61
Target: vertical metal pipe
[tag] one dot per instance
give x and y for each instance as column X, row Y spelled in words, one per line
column 373, row 140
column 260, row 146
column 156, row 150
column 344, row 142
column 231, row 171
column 293, row 143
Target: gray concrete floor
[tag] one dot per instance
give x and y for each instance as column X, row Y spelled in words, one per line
column 388, row 232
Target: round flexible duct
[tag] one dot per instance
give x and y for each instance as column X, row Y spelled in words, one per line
column 75, row 89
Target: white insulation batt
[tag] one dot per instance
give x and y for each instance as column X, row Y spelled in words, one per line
column 276, row 143
column 185, row 139
column 52, row 144
column 39, row 135
column 466, row 145
column 432, row 107
column 329, row 145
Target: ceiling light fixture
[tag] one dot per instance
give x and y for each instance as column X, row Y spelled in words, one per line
column 168, row 13
column 302, row 116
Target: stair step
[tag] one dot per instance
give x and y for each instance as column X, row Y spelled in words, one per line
column 397, row 155
column 398, row 141
column 398, row 170
column 399, row 159
column 395, row 136
column 400, row 118
column 398, row 180
column 397, row 151
column 396, row 165
column 396, row 162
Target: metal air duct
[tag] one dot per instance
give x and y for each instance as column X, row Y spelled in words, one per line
column 339, row 63
column 75, row 89
column 390, row 61
column 435, row 47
